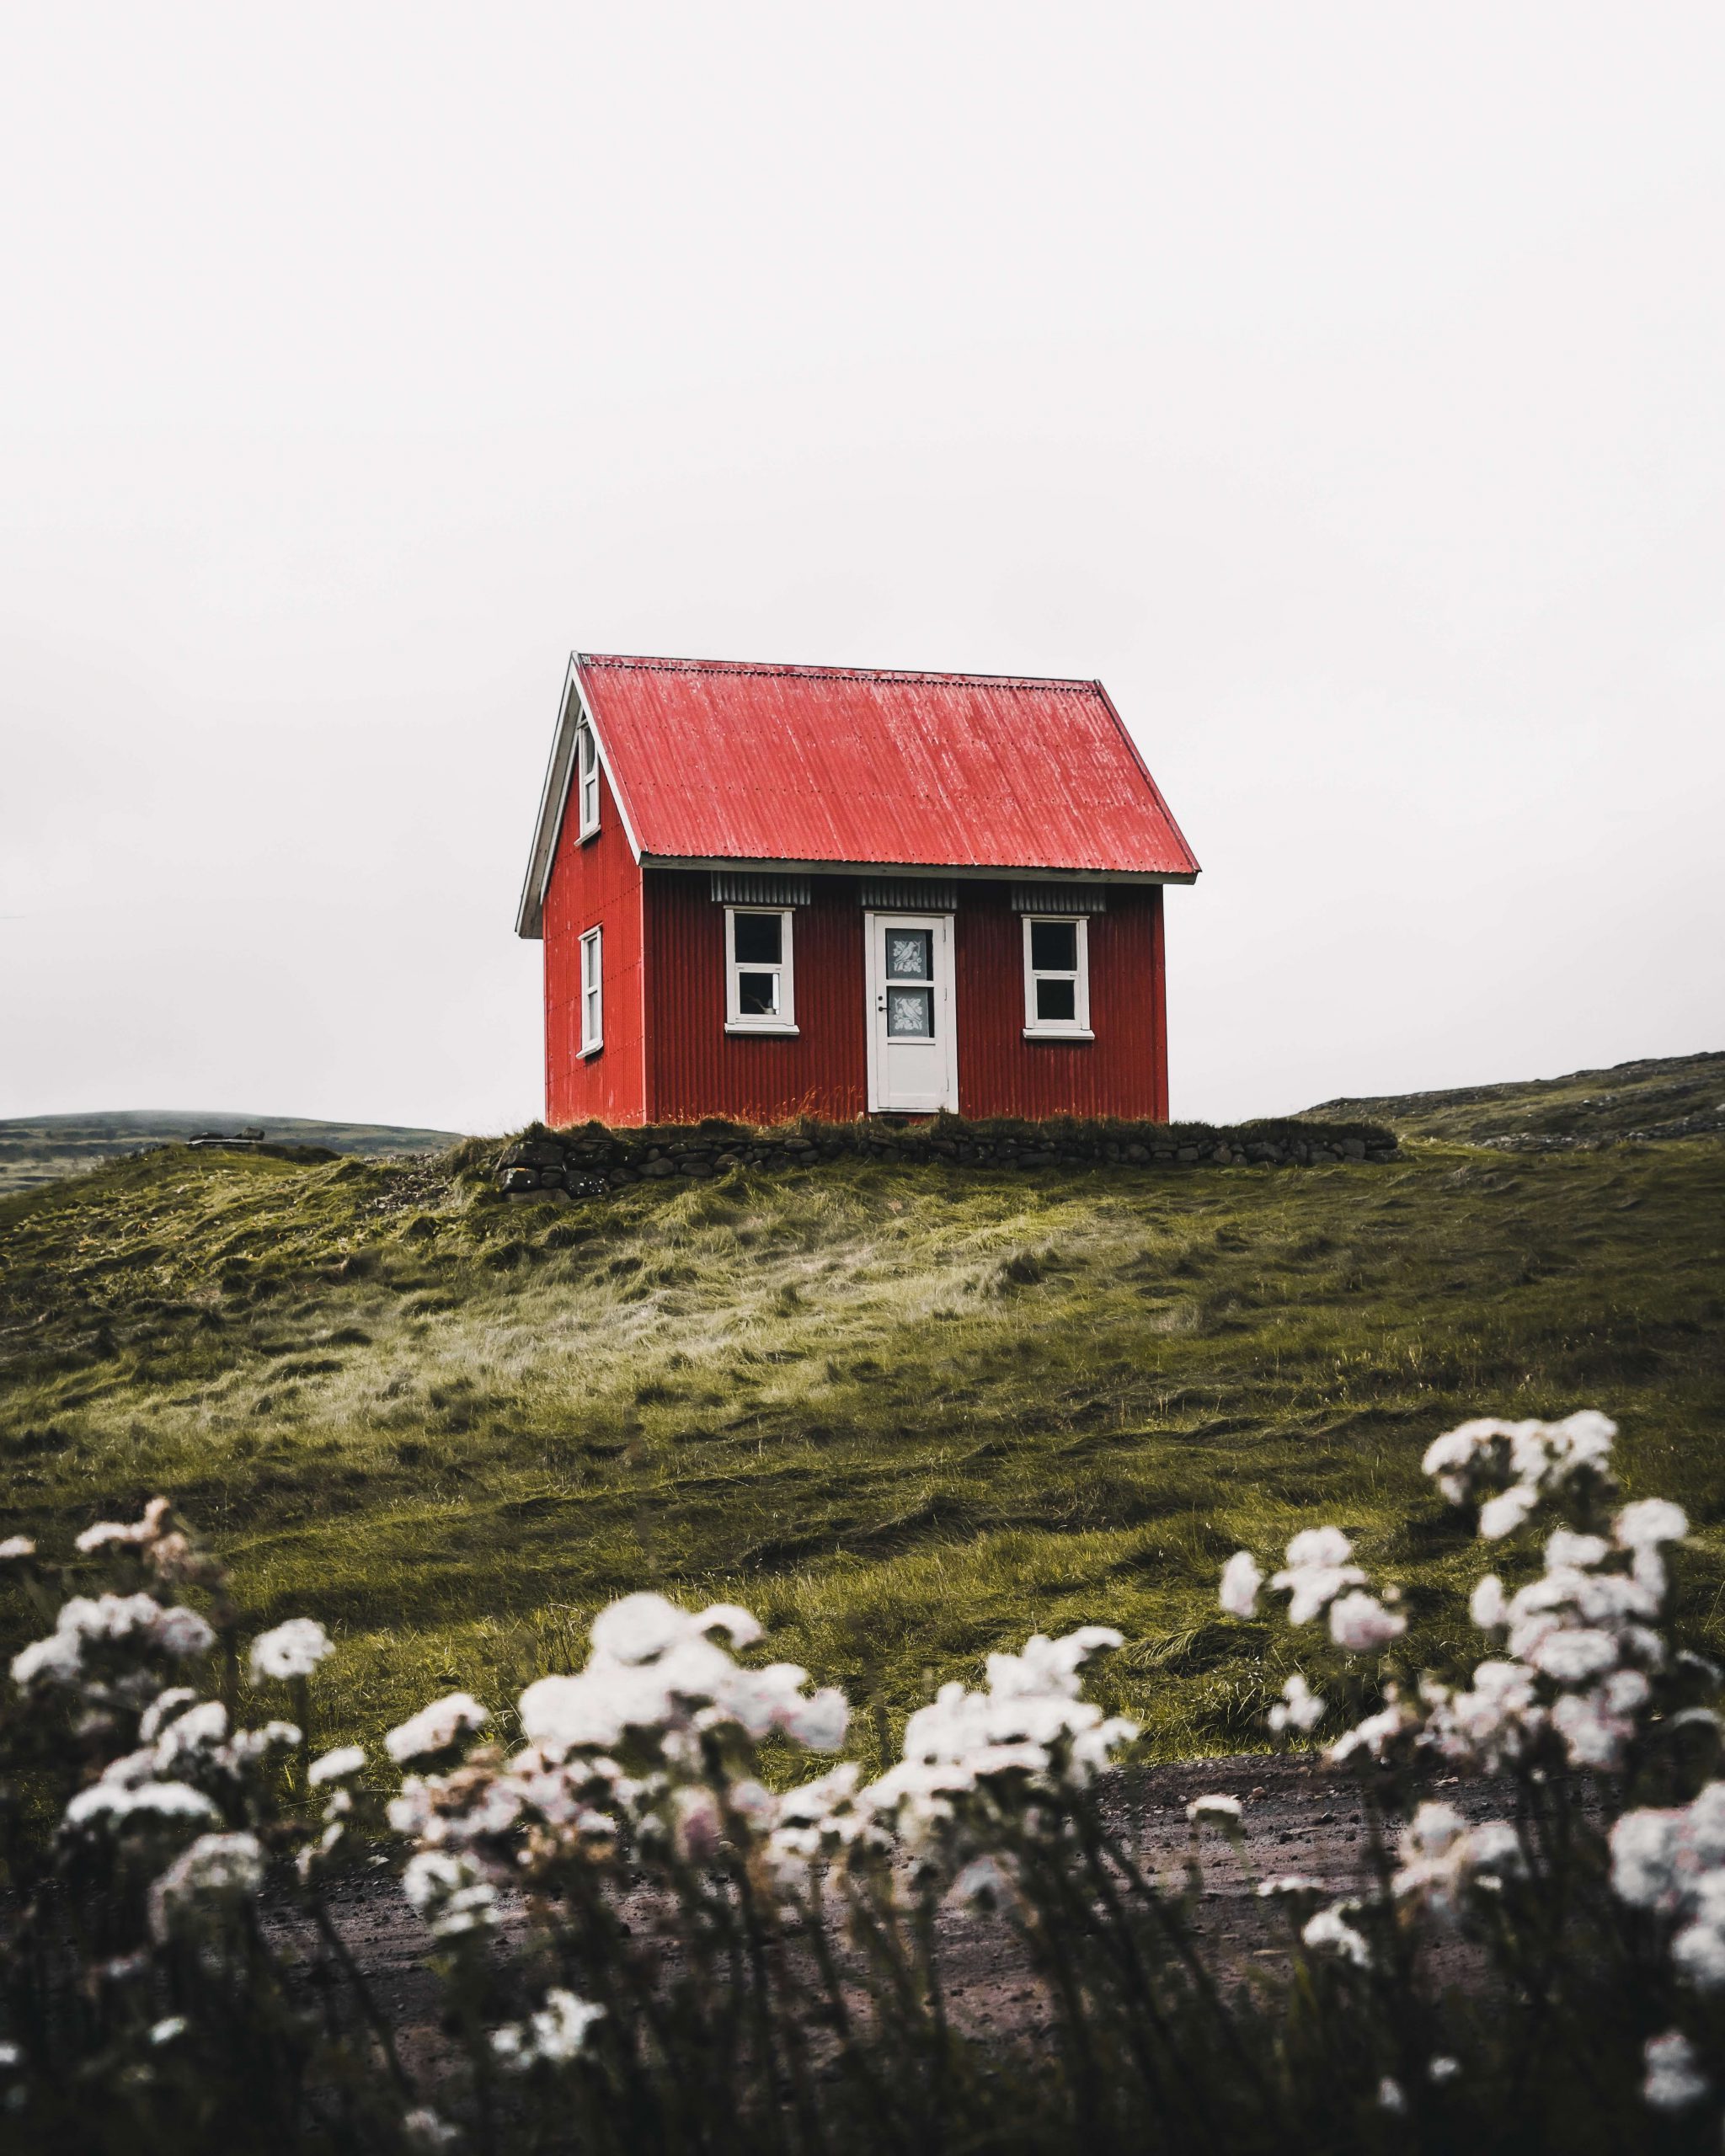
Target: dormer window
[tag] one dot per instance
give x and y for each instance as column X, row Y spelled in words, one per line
column 586, row 780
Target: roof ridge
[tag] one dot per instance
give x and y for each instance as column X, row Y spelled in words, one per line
column 1063, row 684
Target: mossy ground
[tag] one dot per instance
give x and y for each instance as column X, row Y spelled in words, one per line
column 907, row 1414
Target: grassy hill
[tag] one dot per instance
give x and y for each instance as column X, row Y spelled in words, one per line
column 906, row 1413
column 1667, row 1096
column 40, row 1148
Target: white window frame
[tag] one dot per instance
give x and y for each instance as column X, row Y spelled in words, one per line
column 782, row 1022
column 1077, row 1028
column 592, row 991
column 587, row 788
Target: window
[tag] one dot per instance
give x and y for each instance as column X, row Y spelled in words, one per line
column 587, row 779
column 1056, row 980
column 759, row 990
column 909, row 983
column 592, row 994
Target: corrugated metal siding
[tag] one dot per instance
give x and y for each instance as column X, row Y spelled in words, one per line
column 1121, row 1072
column 594, row 885
column 695, row 1068
column 730, row 762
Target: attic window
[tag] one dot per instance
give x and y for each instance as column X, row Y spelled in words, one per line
column 586, row 780
column 759, row 983
column 1056, row 979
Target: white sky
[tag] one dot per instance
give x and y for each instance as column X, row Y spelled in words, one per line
column 1341, row 385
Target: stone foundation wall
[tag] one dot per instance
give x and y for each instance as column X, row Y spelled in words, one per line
column 591, row 1161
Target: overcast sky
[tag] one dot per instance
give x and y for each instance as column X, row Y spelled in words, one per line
column 1343, row 386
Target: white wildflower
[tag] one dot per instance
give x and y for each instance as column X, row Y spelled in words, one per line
column 116, row 1804
column 818, row 1723
column 1289, row 1885
column 1698, row 1953
column 1240, row 1582
column 336, row 1765
column 15, row 1548
column 1485, row 1605
column 1299, row 1707
column 1568, row 1552
column 183, row 1633
column 217, row 1870
column 1360, row 1624
column 1375, row 1735
column 450, row 1892
column 1224, row 1810
column 1390, row 2095
column 1317, row 1570
column 1497, row 1720
column 1573, row 1656
column 1503, row 1514
column 164, row 2031
column 115, row 1534
column 1674, row 2079
column 438, row 1727
column 554, row 2036
column 1441, row 2067
column 292, row 1650
column 427, row 2133
column 163, row 1709
column 1645, row 1846
column 1651, row 1519
column 1329, row 1932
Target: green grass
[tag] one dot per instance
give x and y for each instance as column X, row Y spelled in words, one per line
column 1653, row 1097
column 36, row 1150
column 906, row 1414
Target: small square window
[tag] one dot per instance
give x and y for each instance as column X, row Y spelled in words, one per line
column 759, row 987
column 1057, row 979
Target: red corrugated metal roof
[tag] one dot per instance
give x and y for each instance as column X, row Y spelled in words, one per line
column 716, row 760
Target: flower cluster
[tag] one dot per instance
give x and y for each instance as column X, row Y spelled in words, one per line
column 107, row 1648
column 973, row 1759
column 1507, row 1469
column 1672, row 1862
column 1443, row 1862
column 1318, row 1575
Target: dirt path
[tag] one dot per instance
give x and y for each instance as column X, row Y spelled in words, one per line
column 1298, row 1816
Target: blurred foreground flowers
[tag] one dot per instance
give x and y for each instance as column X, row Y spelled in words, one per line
column 635, row 1940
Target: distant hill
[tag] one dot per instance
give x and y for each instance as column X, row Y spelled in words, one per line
column 1663, row 1096
column 40, row 1148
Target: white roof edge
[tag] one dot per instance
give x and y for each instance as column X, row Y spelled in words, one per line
column 554, row 801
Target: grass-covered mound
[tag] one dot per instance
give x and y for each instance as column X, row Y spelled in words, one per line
column 907, row 1415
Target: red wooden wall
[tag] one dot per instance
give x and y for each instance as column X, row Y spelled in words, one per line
column 1122, row 1072
column 595, row 884
column 695, row 1068
column 690, row 1067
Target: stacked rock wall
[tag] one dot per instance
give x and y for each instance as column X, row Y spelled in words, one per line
column 592, row 1160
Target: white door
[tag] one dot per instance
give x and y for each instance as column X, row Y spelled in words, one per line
column 913, row 1058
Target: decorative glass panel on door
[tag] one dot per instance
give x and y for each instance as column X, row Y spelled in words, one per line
column 909, row 983
column 908, row 954
column 910, row 1013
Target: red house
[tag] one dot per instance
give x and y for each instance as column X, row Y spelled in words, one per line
column 766, row 891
